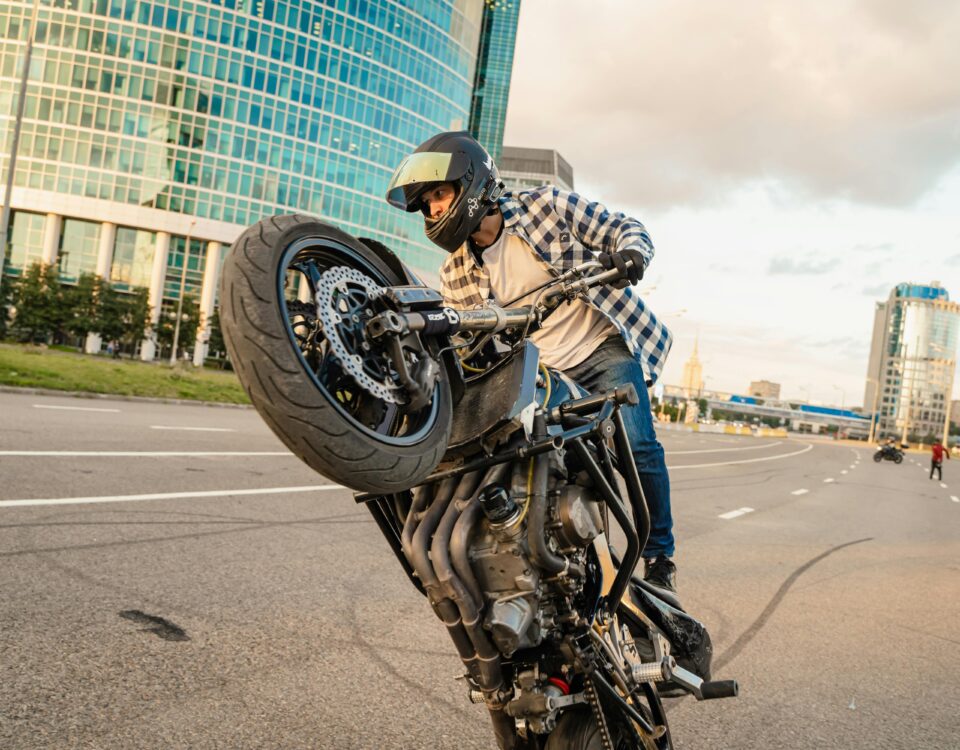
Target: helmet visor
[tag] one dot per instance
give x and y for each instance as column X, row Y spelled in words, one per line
column 421, row 170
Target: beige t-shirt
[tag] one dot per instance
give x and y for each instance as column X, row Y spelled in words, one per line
column 572, row 332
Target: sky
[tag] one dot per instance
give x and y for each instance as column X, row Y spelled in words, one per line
column 792, row 162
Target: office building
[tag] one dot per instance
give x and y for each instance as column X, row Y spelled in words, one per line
column 764, row 389
column 524, row 168
column 155, row 131
column 494, row 70
column 912, row 361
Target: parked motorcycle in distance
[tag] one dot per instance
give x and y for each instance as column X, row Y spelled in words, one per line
column 495, row 481
column 888, row 453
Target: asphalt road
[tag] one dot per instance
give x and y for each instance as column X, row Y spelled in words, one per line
column 166, row 617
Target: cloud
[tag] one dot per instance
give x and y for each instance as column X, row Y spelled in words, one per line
column 878, row 290
column 679, row 103
column 804, row 267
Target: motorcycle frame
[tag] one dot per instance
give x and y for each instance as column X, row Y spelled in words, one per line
column 586, row 423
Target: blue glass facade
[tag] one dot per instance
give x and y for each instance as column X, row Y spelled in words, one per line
column 491, row 89
column 231, row 111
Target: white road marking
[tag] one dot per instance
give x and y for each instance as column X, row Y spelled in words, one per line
column 828, row 480
column 727, row 450
column 943, row 485
column 955, row 498
column 72, row 408
column 742, row 461
column 800, row 492
column 192, row 429
column 843, row 471
column 853, row 466
column 166, row 496
column 735, row 513
column 143, row 454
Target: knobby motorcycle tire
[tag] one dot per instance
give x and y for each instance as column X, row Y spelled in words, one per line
column 275, row 376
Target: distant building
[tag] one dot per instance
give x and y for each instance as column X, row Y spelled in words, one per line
column 524, row 168
column 912, row 360
column 765, row 389
column 955, row 412
column 692, row 382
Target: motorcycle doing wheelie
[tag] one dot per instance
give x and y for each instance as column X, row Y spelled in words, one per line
column 496, row 482
column 888, row 453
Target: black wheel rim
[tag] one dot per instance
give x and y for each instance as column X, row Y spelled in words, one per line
column 308, row 258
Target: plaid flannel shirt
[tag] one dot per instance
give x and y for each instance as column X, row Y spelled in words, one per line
column 566, row 230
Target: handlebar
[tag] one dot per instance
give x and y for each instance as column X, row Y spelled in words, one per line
column 492, row 318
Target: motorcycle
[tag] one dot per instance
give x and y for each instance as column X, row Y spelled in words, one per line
column 888, row 453
column 496, row 482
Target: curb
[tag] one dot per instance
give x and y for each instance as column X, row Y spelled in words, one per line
column 118, row 397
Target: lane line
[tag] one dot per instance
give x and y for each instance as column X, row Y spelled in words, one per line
column 843, row 471
column 943, row 485
column 742, row 461
column 142, row 454
column 166, row 496
column 955, row 498
column 828, row 480
column 73, row 408
column 727, row 450
column 735, row 513
column 800, row 492
column 191, row 429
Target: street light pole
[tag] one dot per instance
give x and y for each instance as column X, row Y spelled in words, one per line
column 873, row 414
column 952, row 364
column 183, row 283
column 15, row 142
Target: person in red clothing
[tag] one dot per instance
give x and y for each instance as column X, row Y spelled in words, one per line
column 936, row 460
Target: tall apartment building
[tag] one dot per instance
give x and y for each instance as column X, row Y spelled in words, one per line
column 524, row 168
column 155, row 131
column 764, row 389
column 912, row 360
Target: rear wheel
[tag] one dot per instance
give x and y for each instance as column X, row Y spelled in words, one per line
column 314, row 377
column 878, row 456
column 898, row 459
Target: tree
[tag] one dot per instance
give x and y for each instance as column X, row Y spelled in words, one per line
column 6, row 295
column 125, row 317
column 37, row 297
column 217, row 347
column 83, row 305
column 189, row 320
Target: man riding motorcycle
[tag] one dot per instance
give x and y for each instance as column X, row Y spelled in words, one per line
column 505, row 246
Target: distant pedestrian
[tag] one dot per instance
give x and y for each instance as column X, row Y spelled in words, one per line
column 110, row 348
column 116, row 349
column 936, row 459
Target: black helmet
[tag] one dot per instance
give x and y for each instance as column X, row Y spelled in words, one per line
column 448, row 157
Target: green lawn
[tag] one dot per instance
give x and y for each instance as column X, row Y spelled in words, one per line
column 32, row 367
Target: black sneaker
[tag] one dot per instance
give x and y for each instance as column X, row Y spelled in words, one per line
column 660, row 571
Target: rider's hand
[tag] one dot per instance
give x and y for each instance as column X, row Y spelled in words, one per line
column 632, row 271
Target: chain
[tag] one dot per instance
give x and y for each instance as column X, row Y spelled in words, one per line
column 591, row 693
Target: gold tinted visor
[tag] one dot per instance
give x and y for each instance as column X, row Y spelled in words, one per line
column 419, row 171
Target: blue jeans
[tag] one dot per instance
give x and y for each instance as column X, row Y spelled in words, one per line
column 610, row 366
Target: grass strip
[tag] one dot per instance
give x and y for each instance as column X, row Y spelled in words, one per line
column 38, row 367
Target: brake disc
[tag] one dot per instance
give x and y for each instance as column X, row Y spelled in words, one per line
column 344, row 305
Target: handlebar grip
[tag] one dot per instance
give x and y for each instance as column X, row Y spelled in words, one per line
column 719, row 689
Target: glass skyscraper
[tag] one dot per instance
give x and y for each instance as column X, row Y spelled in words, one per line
column 491, row 88
column 912, row 361
column 155, row 131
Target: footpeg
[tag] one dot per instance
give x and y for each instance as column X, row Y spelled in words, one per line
column 704, row 691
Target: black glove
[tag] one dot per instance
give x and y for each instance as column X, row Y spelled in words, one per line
column 618, row 260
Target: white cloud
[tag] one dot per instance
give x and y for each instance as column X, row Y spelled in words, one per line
column 680, row 101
